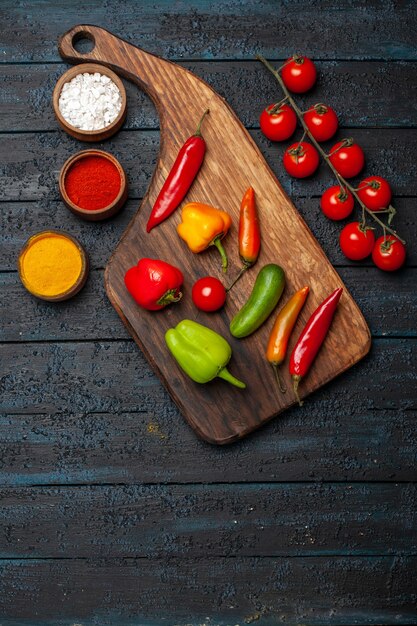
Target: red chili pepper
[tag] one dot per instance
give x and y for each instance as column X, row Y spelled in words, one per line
column 180, row 178
column 281, row 331
column 249, row 233
column 311, row 339
column 153, row 283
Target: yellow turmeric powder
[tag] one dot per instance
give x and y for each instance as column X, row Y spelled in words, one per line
column 51, row 264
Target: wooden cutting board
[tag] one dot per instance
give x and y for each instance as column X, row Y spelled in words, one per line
column 218, row 412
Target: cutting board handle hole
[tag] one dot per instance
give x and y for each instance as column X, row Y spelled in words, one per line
column 83, row 42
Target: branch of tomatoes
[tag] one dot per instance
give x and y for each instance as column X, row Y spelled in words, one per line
column 346, row 159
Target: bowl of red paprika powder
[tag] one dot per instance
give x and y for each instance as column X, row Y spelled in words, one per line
column 93, row 185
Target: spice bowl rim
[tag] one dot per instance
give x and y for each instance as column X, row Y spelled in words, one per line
column 94, row 214
column 100, row 133
column 81, row 280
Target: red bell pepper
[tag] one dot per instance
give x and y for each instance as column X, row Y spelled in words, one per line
column 154, row 284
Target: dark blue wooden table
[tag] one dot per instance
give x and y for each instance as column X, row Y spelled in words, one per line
column 112, row 511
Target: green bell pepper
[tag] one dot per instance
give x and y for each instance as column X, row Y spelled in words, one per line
column 201, row 352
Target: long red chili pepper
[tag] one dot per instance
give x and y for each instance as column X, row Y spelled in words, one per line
column 249, row 233
column 180, row 178
column 312, row 338
column 281, row 331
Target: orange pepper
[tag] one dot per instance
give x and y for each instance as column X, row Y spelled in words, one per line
column 282, row 329
column 203, row 226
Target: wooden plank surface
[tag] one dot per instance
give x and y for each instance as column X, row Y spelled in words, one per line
column 234, row 162
column 90, row 315
column 227, row 520
column 100, row 239
column 224, row 29
column 25, row 95
column 32, row 161
column 369, row 77
column 114, row 376
column 326, row 442
column 223, row 591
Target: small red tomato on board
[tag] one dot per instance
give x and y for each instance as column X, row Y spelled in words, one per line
column 375, row 193
column 356, row 243
column 208, row 294
column 299, row 74
column 347, row 157
column 301, row 159
column 388, row 253
column 321, row 121
column 337, row 203
column 278, row 122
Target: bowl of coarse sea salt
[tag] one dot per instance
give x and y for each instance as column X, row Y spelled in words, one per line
column 89, row 102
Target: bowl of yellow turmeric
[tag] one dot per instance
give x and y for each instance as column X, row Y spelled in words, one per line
column 53, row 265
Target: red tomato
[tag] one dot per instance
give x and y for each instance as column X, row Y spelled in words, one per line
column 355, row 243
column 389, row 253
column 278, row 123
column 321, row 121
column 301, row 159
column 347, row 157
column 375, row 193
column 337, row 203
column 299, row 74
column 208, row 294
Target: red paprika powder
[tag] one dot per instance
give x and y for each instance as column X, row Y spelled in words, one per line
column 92, row 183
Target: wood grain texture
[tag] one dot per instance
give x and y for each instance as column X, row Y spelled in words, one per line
column 332, row 442
column 335, row 439
column 90, row 316
column 364, row 94
column 101, row 239
column 95, row 376
column 225, row 29
column 31, row 161
column 266, row 591
column 232, row 164
column 227, row 520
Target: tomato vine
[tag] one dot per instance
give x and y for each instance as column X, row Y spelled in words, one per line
column 344, row 184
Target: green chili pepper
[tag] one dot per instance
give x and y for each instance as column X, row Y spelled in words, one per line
column 201, row 352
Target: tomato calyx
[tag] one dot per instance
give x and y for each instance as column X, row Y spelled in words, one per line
column 345, row 143
column 320, row 108
column 298, row 59
column 386, row 244
column 276, row 109
column 297, row 152
column 363, row 227
column 343, row 195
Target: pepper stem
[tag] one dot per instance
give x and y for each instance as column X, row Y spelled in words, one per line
column 198, row 131
column 241, row 272
column 280, row 384
column 226, row 375
column 173, row 295
column 296, row 381
column 216, row 242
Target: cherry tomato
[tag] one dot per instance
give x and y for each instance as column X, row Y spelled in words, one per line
column 301, row 159
column 299, row 74
column 278, row 123
column 337, row 203
column 389, row 253
column 321, row 121
column 347, row 157
column 375, row 193
column 208, row 293
column 355, row 243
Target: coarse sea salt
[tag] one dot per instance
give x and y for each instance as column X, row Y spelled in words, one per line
column 90, row 101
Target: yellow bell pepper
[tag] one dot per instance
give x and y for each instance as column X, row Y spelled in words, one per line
column 203, row 226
